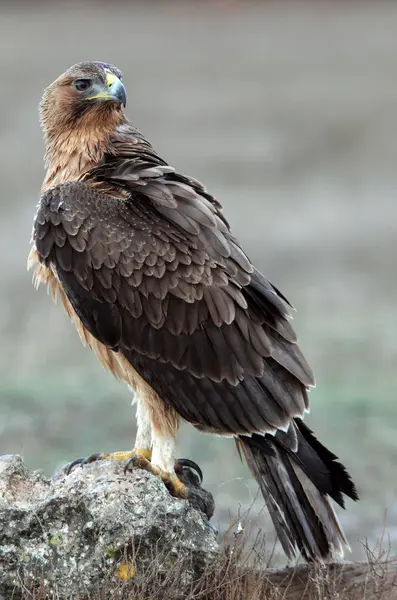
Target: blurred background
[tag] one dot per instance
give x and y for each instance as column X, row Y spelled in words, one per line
column 287, row 112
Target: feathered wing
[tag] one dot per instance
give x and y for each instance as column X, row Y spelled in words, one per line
column 167, row 285
column 148, row 262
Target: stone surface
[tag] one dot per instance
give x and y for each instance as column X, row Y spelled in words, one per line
column 71, row 533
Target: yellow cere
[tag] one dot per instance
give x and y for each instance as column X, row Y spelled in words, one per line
column 125, row 571
column 110, row 78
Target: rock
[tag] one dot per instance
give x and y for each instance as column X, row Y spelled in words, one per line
column 70, row 534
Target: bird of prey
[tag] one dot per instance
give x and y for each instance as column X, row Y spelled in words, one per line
column 158, row 287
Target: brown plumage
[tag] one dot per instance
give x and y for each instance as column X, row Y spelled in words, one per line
column 159, row 288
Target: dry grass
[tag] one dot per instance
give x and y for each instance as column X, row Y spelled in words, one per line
column 242, row 573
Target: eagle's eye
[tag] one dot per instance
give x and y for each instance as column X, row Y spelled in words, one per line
column 82, row 85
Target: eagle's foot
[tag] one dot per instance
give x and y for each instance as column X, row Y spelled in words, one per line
column 122, row 456
column 171, row 480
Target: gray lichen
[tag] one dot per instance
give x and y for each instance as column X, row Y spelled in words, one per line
column 71, row 533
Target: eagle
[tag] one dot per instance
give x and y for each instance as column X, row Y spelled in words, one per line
column 147, row 268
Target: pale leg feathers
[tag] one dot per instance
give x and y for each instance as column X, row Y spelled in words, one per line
column 163, row 453
column 143, row 438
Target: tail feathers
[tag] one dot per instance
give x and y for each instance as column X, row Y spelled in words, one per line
column 302, row 514
column 322, row 466
column 325, row 513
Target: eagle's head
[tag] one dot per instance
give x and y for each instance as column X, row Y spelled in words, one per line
column 88, row 93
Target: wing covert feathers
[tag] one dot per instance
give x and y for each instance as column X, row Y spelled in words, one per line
column 179, row 306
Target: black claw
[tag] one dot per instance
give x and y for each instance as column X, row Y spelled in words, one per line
column 186, row 462
column 130, row 463
column 69, row 467
column 82, row 461
column 93, row 457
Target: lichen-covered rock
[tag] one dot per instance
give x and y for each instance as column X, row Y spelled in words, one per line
column 71, row 533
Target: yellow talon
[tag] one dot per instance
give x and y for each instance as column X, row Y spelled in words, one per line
column 170, row 480
column 143, row 452
column 176, row 487
column 138, row 458
column 126, row 455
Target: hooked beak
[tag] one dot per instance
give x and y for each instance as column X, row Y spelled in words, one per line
column 115, row 90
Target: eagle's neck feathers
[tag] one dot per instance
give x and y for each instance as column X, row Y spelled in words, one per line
column 73, row 150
